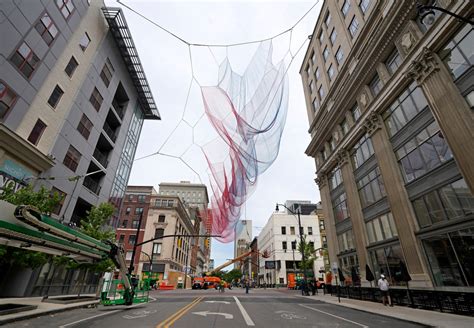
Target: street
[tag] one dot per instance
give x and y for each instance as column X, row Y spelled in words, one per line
column 209, row 308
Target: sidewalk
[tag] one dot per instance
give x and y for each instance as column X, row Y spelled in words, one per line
column 430, row 318
column 42, row 307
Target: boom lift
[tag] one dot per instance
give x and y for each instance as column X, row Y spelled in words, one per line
column 237, row 259
column 25, row 226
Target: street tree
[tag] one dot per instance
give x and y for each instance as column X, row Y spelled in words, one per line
column 309, row 253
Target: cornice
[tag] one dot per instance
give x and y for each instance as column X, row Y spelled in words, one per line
column 373, row 123
column 423, row 66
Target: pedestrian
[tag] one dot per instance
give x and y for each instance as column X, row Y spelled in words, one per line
column 247, row 287
column 384, row 287
column 313, row 288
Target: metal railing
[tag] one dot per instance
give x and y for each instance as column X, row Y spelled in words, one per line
column 110, row 132
column 120, row 110
column 435, row 300
column 92, row 185
column 101, row 157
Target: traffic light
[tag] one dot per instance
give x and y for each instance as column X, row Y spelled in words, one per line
column 180, row 242
column 206, row 242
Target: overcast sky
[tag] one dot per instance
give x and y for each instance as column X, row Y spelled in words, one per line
column 168, row 68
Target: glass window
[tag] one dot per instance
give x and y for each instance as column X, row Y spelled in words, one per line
column 344, row 127
column 7, row 99
column 327, row 20
column 321, row 92
column 107, row 72
column 84, row 42
column 72, row 158
column 283, row 230
column 85, row 126
column 156, row 248
column 71, row 66
column 121, row 239
column 315, row 105
column 311, row 86
column 409, row 103
column 339, row 55
column 356, row 114
column 335, row 178
column 47, row 29
column 66, row 7
column 161, row 218
column 362, row 151
column 138, row 210
column 345, row 241
column 321, row 37
column 96, row 99
column 132, row 239
column 375, row 85
column 284, row 245
column 135, row 224
column 386, row 260
column 25, row 60
column 293, row 245
column 326, row 53
column 317, row 74
column 308, row 71
column 354, row 26
column 393, row 62
column 345, row 8
column 36, row 132
column 371, row 187
column 333, row 36
column 313, row 58
column 364, row 5
column 310, row 230
column 292, row 230
column 159, row 232
column 458, row 54
column 55, row 96
column 330, row 72
column 340, row 208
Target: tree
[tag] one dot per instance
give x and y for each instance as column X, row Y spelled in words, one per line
column 234, row 274
column 43, row 199
column 310, row 256
column 94, row 224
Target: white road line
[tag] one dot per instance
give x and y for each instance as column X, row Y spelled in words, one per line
column 102, row 314
column 246, row 316
column 335, row 316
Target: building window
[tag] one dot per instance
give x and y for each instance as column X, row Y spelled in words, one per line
column 326, row 53
column 375, row 85
column 458, row 53
column 138, row 210
column 85, row 126
column 96, row 99
column 293, row 245
column 107, row 72
column 128, row 210
column 161, row 218
column 345, row 8
column 355, row 112
column 364, row 5
column 340, row 208
column 284, row 245
column 450, row 257
column 121, row 239
column 46, row 29
column 84, row 42
column 386, row 260
column 128, row 256
column 321, row 92
column 313, row 58
column 156, row 248
column 72, row 158
column 381, row 228
column 315, row 105
column 332, row 143
column 55, row 96
column 25, row 59
column 7, row 99
column 292, row 230
column 331, row 72
column 130, row 198
column 344, row 127
column 426, row 151
column 158, row 202
column 362, row 151
column 170, row 203
column 36, row 132
column 339, row 55
column 132, row 239
column 301, row 230
column 335, row 178
column 345, row 241
column 327, row 20
column 71, row 66
column 283, row 230
column 141, row 198
column 354, row 26
column 310, row 230
column 66, row 7
column 321, row 37
column 333, row 36
column 125, row 224
column 135, row 224
column 321, row 225
column 450, row 202
column 159, row 233
column 410, row 102
column 393, row 62
column 311, row 86
column 371, row 188
column 317, row 74
column 62, row 196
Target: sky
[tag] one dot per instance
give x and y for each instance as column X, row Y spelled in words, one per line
column 167, row 64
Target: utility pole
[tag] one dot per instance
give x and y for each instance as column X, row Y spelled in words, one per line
column 186, row 263
column 131, row 267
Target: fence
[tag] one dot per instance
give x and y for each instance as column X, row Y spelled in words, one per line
column 435, row 300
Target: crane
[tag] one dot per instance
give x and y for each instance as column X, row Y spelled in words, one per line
column 237, row 259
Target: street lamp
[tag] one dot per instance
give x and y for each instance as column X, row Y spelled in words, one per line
column 427, row 14
column 302, row 243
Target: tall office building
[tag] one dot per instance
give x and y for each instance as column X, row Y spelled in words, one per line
column 243, row 238
column 73, row 98
column 390, row 106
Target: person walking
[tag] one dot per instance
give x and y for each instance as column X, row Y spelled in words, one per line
column 247, row 285
column 384, row 287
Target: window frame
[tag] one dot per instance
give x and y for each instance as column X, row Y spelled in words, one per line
column 71, row 63
column 84, row 45
column 25, row 61
column 52, row 97
column 63, row 4
column 353, row 26
column 11, row 95
column 83, row 126
column 339, row 55
column 94, row 100
column 38, row 133
column 345, row 8
column 46, row 29
column 73, row 157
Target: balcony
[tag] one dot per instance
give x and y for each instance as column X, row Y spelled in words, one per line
column 92, row 185
column 111, row 133
column 120, row 110
column 101, row 157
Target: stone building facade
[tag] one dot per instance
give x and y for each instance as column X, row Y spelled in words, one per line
column 390, row 106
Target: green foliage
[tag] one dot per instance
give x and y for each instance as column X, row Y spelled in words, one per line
column 22, row 257
column 234, row 274
column 43, row 199
column 219, row 274
column 93, row 224
column 310, row 257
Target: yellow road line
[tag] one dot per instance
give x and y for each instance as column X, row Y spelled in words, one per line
column 178, row 314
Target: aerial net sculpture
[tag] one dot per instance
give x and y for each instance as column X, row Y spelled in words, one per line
column 235, row 128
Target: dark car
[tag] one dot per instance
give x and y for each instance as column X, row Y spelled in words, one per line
column 196, row 285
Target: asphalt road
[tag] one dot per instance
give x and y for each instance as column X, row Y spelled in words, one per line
column 209, row 308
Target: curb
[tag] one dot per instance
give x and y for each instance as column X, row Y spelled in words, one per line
column 370, row 312
column 34, row 315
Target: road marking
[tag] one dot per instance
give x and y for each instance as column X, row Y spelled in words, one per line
column 246, row 316
column 225, row 302
column 178, row 314
column 290, row 315
column 206, row 313
column 335, row 316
